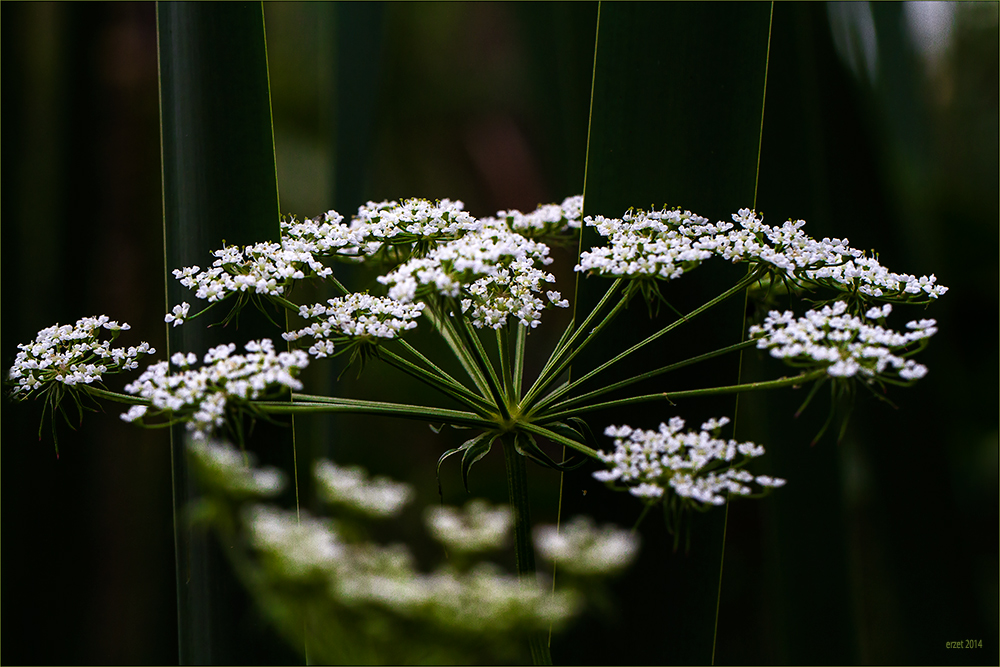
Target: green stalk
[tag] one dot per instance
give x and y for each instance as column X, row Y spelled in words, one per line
column 305, row 403
column 218, row 184
column 638, row 378
column 503, row 353
column 453, row 390
column 519, row 341
column 484, row 364
column 445, row 327
column 732, row 291
column 524, row 553
column 433, row 367
column 115, row 396
column 689, row 393
column 561, row 358
column 562, row 440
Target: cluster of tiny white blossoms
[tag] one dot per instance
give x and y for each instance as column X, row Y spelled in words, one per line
column 354, row 316
column 475, row 528
column 350, row 487
column 72, row 355
column 650, row 462
column 548, row 220
column 204, row 392
column 661, row 244
column 379, row 226
column 666, row 244
column 494, row 272
column 580, row 548
column 235, row 472
column 375, row 577
column 845, row 345
column 830, row 262
column 366, row 575
column 263, row 268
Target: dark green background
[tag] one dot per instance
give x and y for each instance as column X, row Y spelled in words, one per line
column 880, row 549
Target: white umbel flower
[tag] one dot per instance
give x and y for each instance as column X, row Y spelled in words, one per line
column 651, row 462
column 846, row 345
column 830, row 262
column 355, row 316
column 494, row 272
column 72, row 355
column 234, row 472
column 475, row 528
column 201, row 394
column 580, row 548
column 351, row 487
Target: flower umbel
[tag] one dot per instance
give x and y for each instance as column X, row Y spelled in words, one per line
column 653, row 463
column 847, row 346
column 200, row 396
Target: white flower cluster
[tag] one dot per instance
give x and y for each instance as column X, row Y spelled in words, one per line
column 830, row 262
column 72, row 355
column 355, row 315
column 665, row 244
column 351, row 487
column 661, row 244
column 650, row 462
column 204, row 392
column 376, row 577
column 581, row 548
column 234, row 472
column 846, row 345
column 494, row 271
column 547, row 220
column 380, row 225
column 475, row 528
column 263, row 268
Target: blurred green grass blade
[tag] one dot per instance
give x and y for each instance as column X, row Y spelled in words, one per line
column 219, row 186
column 675, row 119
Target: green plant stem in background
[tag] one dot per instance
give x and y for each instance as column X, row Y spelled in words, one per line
column 524, row 553
column 219, row 186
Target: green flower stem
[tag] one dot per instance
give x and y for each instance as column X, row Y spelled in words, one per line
column 483, row 361
column 519, row 341
column 732, row 291
column 524, row 553
column 503, row 352
column 459, row 393
column 546, row 376
column 562, row 440
column 114, row 396
column 336, row 283
column 447, row 330
column 431, row 365
column 540, row 406
column 306, row 403
column 690, row 393
column 282, row 301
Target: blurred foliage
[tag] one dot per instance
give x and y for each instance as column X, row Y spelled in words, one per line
column 488, row 103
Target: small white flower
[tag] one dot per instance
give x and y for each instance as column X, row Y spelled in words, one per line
column 179, row 314
column 135, row 412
